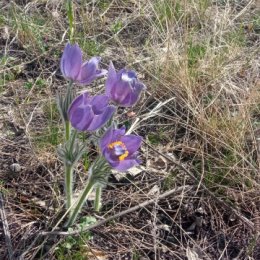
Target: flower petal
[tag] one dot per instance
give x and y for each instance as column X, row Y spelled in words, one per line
column 79, row 101
column 132, row 98
column 121, row 91
column 125, row 164
column 80, row 113
column 106, row 139
column 90, row 71
column 98, row 103
column 132, row 143
column 100, row 120
column 81, row 118
column 71, row 61
column 111, row 135
column 111, row 79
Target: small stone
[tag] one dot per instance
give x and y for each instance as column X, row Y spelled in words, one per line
column 15, row 167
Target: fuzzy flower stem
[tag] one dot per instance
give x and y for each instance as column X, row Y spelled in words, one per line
column 68, row 186
column 79, row 204
column 67, row 122
column 97, row 202
column 67, row 130
column 70, row 15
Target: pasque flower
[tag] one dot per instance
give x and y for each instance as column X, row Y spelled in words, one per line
column 73, row 68
column 120, row 150
column 123, row 87
column 88, row 113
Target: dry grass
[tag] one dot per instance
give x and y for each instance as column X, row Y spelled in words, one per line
column 200, row 54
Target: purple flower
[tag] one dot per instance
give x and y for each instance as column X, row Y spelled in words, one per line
column 88, row 113
column 119, row 149
column 73, row 68
column 123, row 87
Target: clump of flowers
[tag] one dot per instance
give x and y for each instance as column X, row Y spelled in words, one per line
column 94, row 114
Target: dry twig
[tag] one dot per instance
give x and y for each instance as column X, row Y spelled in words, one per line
column 8, row 241
column 120, row 214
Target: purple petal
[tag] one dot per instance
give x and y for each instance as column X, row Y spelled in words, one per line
column 118, row 133
column 71, row 61
column 106, row 139
column 98, row 103
column 124, row 165
column 89, row 71
column 132, row 143
column 81, row 118
column 113, row 160
column 111, row 79
column 101, row 73
column 111, row 135
column 121, row 91
column 132, row 98
column 99, row 120
column 80, row 112
column 80, row 100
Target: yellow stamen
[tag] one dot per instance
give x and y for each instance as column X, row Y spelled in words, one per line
column 125, row 154
column 112, row 145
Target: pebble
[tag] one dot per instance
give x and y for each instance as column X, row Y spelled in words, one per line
column 15, row 167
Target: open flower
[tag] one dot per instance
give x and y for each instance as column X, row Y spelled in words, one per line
column 119, row 149
column 123, row 87
column 88, row 113
column 73, row 68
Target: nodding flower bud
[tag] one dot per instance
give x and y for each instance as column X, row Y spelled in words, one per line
column 88, row 113
column 73, row 68
column 123, row 87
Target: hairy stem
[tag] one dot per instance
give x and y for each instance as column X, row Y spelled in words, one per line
column 67, row 130
column 80, row 202
column 68, row 186
column 97, row 203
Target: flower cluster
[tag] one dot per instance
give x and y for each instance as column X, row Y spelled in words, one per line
column 118, row 150
column 87, row 113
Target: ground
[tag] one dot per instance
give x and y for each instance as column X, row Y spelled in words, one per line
column 199, row 119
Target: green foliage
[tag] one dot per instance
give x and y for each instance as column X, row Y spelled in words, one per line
column 117, row 26
column 74, row 247
column 195, row 52
column 203, row 5
column 167, row 10
column 237, row 37
column 154, row 138
column 2, row 188
column 169, row 181
column 158, row 137
column 219, row 173
column 103, row 4
column 136, row 255
column 38, row 83
column 7, row 73
column 70, row 15
column 86, row 161
column 32, row 29
column 256, row 23
column 89, row 46
column 51, row 134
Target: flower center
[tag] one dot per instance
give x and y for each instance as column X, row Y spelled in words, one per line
column 126, row 77
column 119, row 149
